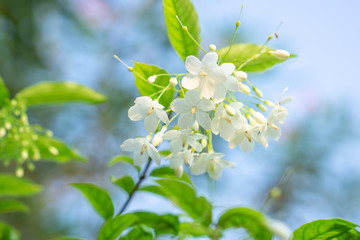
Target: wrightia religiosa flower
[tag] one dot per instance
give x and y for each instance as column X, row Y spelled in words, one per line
column 142, row 149
column 182, row 139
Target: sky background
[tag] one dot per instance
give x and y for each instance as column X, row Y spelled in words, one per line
column 317, row 156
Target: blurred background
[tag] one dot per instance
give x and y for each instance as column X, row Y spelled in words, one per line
column 315, row 163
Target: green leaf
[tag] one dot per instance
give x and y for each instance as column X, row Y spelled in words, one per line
column 254, row 222
column 13, row 186
column 184, row 196
column 240, row 53
column 334, row 229
column 142, row 72
column 165, row 153
column 126, row 183
column 67, row 238
column 112, row 229
column 179, row 39
column 162, row 224
column 53, row 149
column 59, row 92
column 122, row 159
column 138, row 233
column 166, row 172
column 98, row 197
column 194, row 229
column 4, row 93
column 12, row 206
column 7, row 232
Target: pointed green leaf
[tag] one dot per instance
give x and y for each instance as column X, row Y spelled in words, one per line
column 142, row 72
column 179, row 39
column 254, row 222
column 67, row 238
column 59, row 92
column 53, row 149
column 4, row 93
column 112, row 229
column 14, row 186
column 240, row 53
column 162, row 224
column 166, row 172
column 194, row 229
column 126, row 183
column 122, row 159
column 98, row 197
column 12, row 206
column 334, row 229
column 139, row 233
column 7, row 232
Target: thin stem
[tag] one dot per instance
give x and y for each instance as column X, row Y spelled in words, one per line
column 137, row 185
column 189, row 34
column 163, row 91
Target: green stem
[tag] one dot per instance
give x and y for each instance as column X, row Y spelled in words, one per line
column 189, row 34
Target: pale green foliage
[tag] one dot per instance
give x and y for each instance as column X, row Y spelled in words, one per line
column 16, row 187
column 12, row 206
column 126, row 183
column 7, row 232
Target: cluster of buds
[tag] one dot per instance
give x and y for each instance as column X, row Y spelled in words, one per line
column 207, row 106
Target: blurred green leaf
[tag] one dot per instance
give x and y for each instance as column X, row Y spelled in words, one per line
column 4, row 93
column 122, row 159
column 165, row 153
column 166, row 172
column 67, row 238
column 184, row 196
column 254, row 222
column 59, row 92
column 7, row 232
column 138, row 233
column 98, row 197
column 334, row 229
column 179, row 39
column 162, row 224
column 12, row 206
column 112, row 229
column 14, row 186
column 126, row 183
column 53, row 149
column 194, row 229
column 240, row 53
column 142, row 72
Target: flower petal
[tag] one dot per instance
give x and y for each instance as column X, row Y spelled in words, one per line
column 153, row 153
column 151, row 122
column 186, row 120
column 180, row 105
column 227, row 68
column 137, row 112
column 192, row 97
column 161, row 114
column 219, row 93
column 190, row 81
column 206, row 89
column 246, row 145
column 232, row 84
column 140, row 159
column 203, row 119
column 206, row 105
column 200, row 165
column 193, row 64
column 209, row 61
column 172, row 134
column 131, row 145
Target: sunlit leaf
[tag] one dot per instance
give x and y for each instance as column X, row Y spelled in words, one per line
column 254, row 222
column 59, row 92
column 112, row 229
column 334, row 229
column 4, row 93
column 12, row 206
column 138, row 233
column 67, row 238
column 142, row 72
column 14, row 186
column 240, row 53
column 122, row 159
column 166, row 172
column 7, row 232
column 162, row 224
column 179, row 39
column 194, row 229
column 126, row 183
column 98, row 197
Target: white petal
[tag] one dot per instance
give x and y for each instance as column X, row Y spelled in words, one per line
column 226, row 130
column 144, row 100
column 209, row 60
column 193, row 64
column 176, row 145
column 216, row 76
column 172, row 134
column 219, row 93
column 246, row 145
column 215, row 123
column 206, row 105
column 140, row 159
column 180, row 105
column 186, row 120
column 131, row 145
column 199, row 166
column 237, row 138
column 196, row 145
column 192, row 97
column 162, row 116
column 137, row 112
column 153, row 153
column 232, row 84
column 206, row 89
column 190, row 81
column 203, row 119
column 227, row 68
column 151, row 122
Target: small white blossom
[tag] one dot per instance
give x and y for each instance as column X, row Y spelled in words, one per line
column 181, row 139
column 280, row 54
column 211, row 163
column 2, row 132
column 212, row 47
column 231, row 83
column 203, row 75
column 150, row 110
column 142, row 149
column 276, row 117
column 240, row 75
column 180, row 158
column 173, row 81
column 246, row 136
column 193, row 108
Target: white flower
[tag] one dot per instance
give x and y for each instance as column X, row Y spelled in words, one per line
column 276, row 117
column 180, row 158
column 227, row 120
column 142, row 149
column 192, row 108
column 203, row 75
column 181, row 139
column 158, row 138
column 211, row 163
column 231, row 83
column 246, row 136
column 150, row 110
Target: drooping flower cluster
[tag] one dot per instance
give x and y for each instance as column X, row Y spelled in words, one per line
column 206, row 105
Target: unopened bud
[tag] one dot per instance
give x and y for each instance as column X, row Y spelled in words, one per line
column 151, row 79
column 53, row 150
column 230, row 110
column 286, row 100
column 8, row 125
column 130, row 69
column 212, row 47
column 19, row 172
column 2, row 132
column 280, row 54
column 36, row 154
column 49, row 133
column 24, row 154
column 34, row 137
column 203, row 142
column 195, row 126
column 275, row 192
column 179, row 171
column 30, row 166
column 245, row 89
column 262, row 107
column 271, row 36
column 258, row 92
column 158, row 138
column 184, row 28
column 259, row 118
column 237, row 23
column 270, row 104
column 240, row 75
column 173, row 81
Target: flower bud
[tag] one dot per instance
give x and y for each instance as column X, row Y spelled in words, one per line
column 258, row 92
column 173, row 81
column 237, row 23
column 49, row 133
column 203, row 142
column 195, row 126
column 2, row 132
column 269, row 103
column 30, row 166
column 259, row 118
column 19, row 172
column 36, row 154
column 179, row 171
column 240, row 75
column 13, row 102
column 230, row 110
column 262, row 107
column 24, row 154
column 286, row 100
column 280, row 54
column 212, row 47
column 157, row 140
column 245, row 89
column 151, row 79
column 8, row 125
column 275, row 192
column 53, row 150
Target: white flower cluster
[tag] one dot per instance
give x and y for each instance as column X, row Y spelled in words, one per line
column 209, row 102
